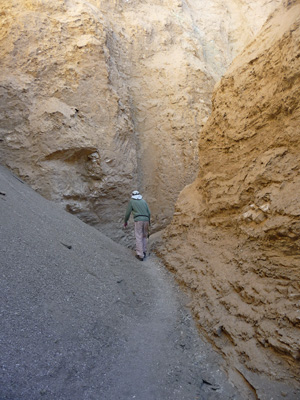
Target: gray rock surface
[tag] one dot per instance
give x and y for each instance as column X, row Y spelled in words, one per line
column 81, row 318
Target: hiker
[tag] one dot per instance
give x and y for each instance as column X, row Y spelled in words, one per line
column 141, row 215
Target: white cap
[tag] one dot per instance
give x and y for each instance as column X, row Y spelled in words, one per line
column 136, row 195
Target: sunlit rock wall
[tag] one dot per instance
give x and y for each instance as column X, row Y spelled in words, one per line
column 64, row 127
column 176, row 51
column 102, row 97
column 234, row 240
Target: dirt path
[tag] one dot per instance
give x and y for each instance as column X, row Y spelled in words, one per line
column 81, row 318
column 164, row 356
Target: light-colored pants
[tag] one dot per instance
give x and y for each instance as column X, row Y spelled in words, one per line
column 141, row 234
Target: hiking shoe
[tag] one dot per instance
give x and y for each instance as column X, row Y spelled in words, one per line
column 139, row 258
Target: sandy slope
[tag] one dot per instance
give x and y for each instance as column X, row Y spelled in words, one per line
column 82, row 319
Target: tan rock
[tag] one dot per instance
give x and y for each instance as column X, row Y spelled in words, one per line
column 64, row 129
column 241, row 215
column 128, row 80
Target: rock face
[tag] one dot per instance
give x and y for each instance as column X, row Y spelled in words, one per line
column 63, row 126
column 234, row 240
column 98, row 97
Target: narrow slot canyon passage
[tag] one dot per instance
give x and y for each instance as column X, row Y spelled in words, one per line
column 196, row 105
column 81, row 318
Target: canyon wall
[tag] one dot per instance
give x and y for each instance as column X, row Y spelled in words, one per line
column 102, row 97
column 234, row 239
column 64, row 128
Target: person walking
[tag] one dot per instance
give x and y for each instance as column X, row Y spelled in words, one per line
column 141, row 215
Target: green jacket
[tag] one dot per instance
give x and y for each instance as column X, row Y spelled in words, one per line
column 139, row 209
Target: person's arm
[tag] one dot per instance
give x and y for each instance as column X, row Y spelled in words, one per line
column 127, row 214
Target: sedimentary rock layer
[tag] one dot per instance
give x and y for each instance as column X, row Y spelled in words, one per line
column 234, row 239
column 63, row 127
column 102, row 97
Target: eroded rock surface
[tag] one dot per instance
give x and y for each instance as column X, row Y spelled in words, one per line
column 102, row 97
column 234, row 239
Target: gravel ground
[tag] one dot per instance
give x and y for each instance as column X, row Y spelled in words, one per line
column 81, row 318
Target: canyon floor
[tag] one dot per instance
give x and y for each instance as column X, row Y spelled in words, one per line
column 81, row 318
